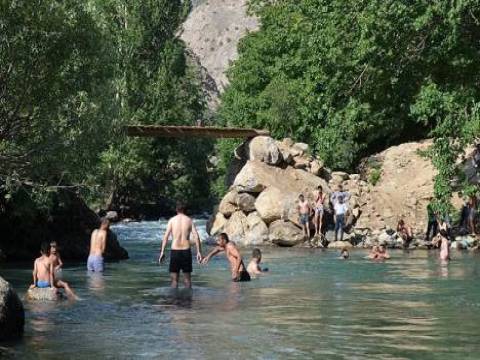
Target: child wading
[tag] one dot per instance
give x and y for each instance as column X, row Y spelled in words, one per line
column 253, row 267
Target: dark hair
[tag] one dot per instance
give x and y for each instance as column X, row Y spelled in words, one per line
column 45, row 248
column 443, row 233
column 301, row 196
column 319, row 187
column 256, row 253
column 105, row 221
column 224, row 236
column 180, row 207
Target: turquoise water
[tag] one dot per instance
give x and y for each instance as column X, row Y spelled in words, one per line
column 310, row 306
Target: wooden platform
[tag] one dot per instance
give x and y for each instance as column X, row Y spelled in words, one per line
column 192, row 131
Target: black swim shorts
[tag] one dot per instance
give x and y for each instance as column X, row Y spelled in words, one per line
column 180, row 260
column 243, row 276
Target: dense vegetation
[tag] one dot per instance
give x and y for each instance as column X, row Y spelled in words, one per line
column 71, row 74
column 352, row 77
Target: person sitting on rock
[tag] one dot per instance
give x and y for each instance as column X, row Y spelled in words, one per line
column 253, row 267
column 239, row 272
column 319, row 210
column 340, row 211
column 44, row 274
column 304, row 211
column 405, row 232
column 55, row 259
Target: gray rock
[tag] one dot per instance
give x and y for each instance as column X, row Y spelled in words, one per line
column 112, row 216
column 12, row 314
column 264, row 149
column 44, row 294
column 285, row 233
column 302, row 147
column 246, row 202
column 257, row 232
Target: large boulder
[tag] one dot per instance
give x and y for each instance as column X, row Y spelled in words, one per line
column 257, row 176
column 12, row 315
column 236, row 227
column 284, row 233
column 264, row 148
column 270, row 204
column 216, row 224
column 228, row 205
column 246, row 202
column 257, row 233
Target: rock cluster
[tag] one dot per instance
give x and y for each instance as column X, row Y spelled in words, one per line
column 12, row 315
column 261, row 205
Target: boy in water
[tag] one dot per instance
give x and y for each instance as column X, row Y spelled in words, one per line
column 344, row 255
column 239, row 272
column 43, row 273
column 253, row 267
column 304, row 211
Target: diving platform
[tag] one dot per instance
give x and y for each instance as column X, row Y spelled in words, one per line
column 192, row 132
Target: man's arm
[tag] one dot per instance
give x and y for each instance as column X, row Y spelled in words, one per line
column 166, row 236
column 60, row 263
column 212, row 253
column 198, row 244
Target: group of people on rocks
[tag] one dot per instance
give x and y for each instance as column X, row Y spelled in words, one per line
column 337, row 205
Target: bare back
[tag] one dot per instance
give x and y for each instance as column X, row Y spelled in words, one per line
column 98, row 242
column 43, row 268
column 181, row 228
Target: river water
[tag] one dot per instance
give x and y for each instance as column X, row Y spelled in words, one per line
column 310, row 306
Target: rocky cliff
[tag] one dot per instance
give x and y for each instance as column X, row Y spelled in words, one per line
column 212, row 32
column 12, row 314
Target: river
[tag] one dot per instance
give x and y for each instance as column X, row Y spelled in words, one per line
column 311, row 305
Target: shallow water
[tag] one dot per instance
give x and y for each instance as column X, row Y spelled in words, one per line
column 310, row 306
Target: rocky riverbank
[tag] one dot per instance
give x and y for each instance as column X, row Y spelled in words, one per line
column 68, row 221
column 268, row 175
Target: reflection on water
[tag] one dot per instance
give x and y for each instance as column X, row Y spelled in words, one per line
column 310, row 306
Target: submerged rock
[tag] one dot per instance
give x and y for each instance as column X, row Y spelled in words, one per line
column 44, row 294
column 340, row 245
column 12, row 314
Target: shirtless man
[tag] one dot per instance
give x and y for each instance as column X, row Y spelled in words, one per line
column 319, row 210
column 44, row 273
column 239, row 272
column 98, row 243
column 405, row 232
column 304, row 211
column 180, row 227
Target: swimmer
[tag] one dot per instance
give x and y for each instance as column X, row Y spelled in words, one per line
column 344, row 255
column 239, row 272
column 383, row 253
column 43, row 274
column 253, row 267
column 373, row 253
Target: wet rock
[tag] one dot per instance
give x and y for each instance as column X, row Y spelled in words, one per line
column 284, row 233
column 12, row 315
column 44, row 294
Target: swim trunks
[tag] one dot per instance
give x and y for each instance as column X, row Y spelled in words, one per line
column 304, row 219
column 243, row 276
column 319, row 209
column 43, row 284
column 180, row 260
column 95, row 263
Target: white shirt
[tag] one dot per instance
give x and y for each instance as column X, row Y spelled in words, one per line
column 340, row 209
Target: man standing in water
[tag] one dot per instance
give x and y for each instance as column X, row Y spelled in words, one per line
column 98, row 243
column 180, row 227
column 239, row 271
